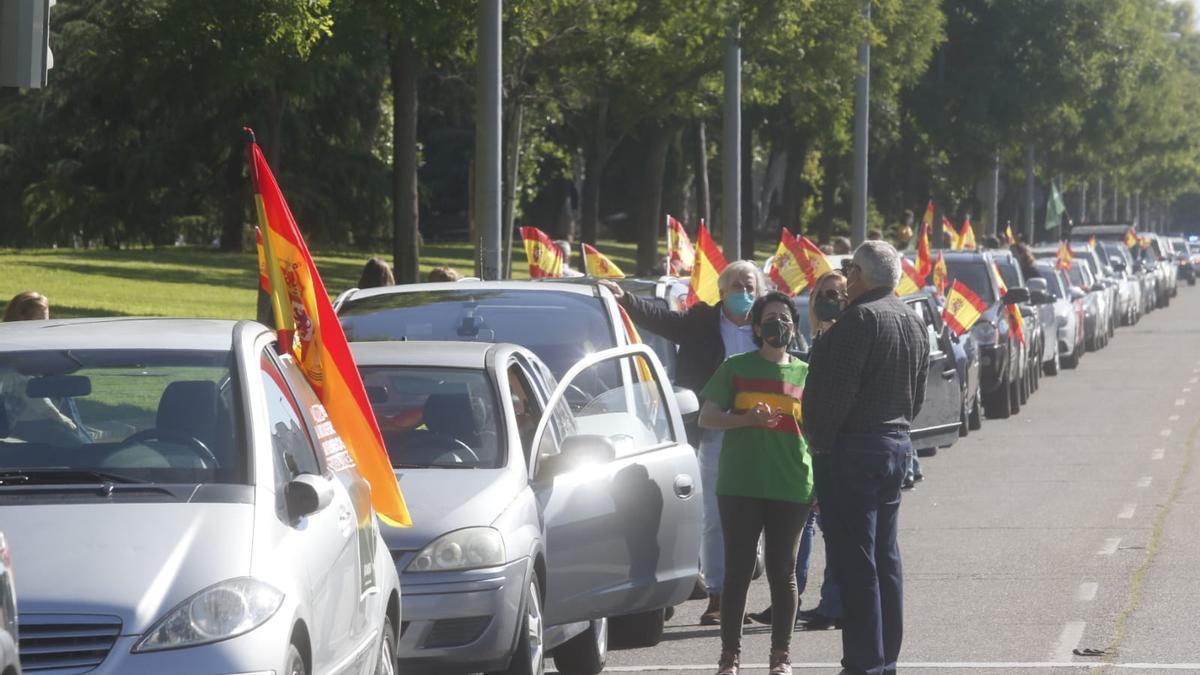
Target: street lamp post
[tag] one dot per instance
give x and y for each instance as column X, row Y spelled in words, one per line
column 731, row 146
column 487, row 140
column 862, row 129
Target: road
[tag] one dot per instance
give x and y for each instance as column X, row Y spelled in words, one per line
column 1071, row 525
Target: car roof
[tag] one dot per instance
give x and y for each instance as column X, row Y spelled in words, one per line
column 430, row 353
column 968, row 256
column 121, row 333
column 1106, row 230
column 543, row 286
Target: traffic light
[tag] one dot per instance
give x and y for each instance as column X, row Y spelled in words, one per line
column 25, row 43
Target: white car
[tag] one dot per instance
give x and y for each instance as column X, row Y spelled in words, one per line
column 10, row 664
column 177, row 507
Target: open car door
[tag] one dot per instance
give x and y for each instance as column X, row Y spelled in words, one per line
column 618, row 487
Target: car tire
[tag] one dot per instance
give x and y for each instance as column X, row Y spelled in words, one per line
column 926, row 452
column 585, row 653
column 1023, row 390
column 529, row 658
column 1052, row 367
column 295, row 662
column 963, row 428
column 387, row 650
column 760, row 560
column 1071, row 361
column 996, row 404
column 644, row 629
column 975, row 418
column 1014, row 396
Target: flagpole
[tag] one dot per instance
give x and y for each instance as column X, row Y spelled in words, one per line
column 487, row 135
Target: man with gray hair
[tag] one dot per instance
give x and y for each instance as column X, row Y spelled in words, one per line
column 706, row 335
column 865, row 385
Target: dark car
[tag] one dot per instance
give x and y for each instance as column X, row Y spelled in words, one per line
column 945, row 414
column 1034, row 328
column 1001, row 354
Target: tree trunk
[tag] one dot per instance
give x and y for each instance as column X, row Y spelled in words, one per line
column 675, row 181
column 233, row 214
column 795, row 190
column 831, row 180
column 596, row 156
column 703, row 193
column 749, row 212
column 405, row 203
column 649, row 205
column 512, row 142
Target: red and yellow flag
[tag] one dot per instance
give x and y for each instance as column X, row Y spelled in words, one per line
column 1008, row 234
column 963, row 308
column 1014, row 312
column 310, row 331
column 941, row 275
column 966, row 238
column 709, row 264
column 545, row 259
column 1064, row 257
column 789, row 264
column 596, row 264
column 680, row 254
column 924, row 258
column 813, row 260
column 952, row 234
column 910, row 281
column 1131, row 238
column 1092, row 242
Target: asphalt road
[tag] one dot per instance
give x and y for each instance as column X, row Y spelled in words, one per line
column 1069, row 526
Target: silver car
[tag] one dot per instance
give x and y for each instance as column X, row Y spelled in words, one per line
column 542, row 512
column 10, row 664
column 178, row 508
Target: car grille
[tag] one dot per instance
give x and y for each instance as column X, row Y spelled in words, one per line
column 65, row 643
column 456, row 632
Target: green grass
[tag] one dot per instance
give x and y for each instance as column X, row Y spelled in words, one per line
column 197, row 282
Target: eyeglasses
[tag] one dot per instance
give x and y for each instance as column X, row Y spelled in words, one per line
column 848, row 267
column 833, row 294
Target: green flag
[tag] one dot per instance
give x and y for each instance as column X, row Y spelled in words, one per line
column 1054, row 208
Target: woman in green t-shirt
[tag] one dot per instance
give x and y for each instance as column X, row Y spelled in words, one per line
column 764, row 485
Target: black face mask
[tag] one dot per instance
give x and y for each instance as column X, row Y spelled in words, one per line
column 826, row 308
column 776, row 332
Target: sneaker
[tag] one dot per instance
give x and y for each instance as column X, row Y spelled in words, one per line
column 781, row 662
column 728, row 664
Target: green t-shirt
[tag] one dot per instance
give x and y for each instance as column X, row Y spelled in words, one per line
column 755, row 461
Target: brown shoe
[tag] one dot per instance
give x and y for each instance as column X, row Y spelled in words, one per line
column 781, row 662
column 728, row 665
column 712, row 615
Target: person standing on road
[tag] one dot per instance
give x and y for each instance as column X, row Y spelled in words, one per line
column 764, row 486
column 706, row 335
column 865, row 386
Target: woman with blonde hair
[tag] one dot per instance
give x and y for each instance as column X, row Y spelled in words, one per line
column 826, row 302
column 27, row 306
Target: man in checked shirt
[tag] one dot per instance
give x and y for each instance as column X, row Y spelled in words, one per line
column 865, row 385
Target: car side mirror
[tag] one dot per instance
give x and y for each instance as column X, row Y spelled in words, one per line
column 577, row 452
column 306, row 494
column 1040, row 297
column 688, row 403
column 1016, row 296
column 1077, row 293
column 1119, row 265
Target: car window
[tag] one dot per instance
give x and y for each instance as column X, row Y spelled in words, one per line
column 922, row 310
column 975, row 275
column 293, row 450
column 436, row 417
column 1008, row 270
column 1053, row 285
column 632, row 415
column 663, row 348
column 527, row 409
column 157, row 415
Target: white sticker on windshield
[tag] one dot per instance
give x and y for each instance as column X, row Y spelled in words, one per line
column 318, row 413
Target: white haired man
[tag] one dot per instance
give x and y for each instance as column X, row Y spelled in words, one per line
column 865, row 385
column 706, row 335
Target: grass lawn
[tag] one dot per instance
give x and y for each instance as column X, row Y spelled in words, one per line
column 197, row 282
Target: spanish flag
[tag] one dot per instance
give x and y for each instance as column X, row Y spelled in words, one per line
column 1092, row 243
column 265, row 314
column 787, row 271
column 949, row 231
column 941, row 275
column 596, row 264
column 1131, row 238
column 814, row 262
column 1064, row 256
column 1008, row 233
column 910, row 281
column 924, row 258
column 963, row 308
column 680, row 254
column 545, row 259
column 709, row 264
column 1014, row 312
column 967, row 238
column 310, row 331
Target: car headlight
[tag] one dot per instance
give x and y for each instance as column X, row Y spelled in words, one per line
column 219, row 612
column 985, row 333
column 464, row 549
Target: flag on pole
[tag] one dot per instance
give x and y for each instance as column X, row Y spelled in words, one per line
column 1092, row 243
column 941, row 275
column 949, row 231
column 680, row 254
column 1064, row 257
column 813, row 261
column 1008, row 234
column 1055, row 208
column 967, row 237
column 596, row 264
column 963, row 308
column 924, row 258
column 264, row 314
column 910, row 281
column 1131, row 238
column 545, row 259
column 708, row 266
column 787, row 270
column 309, row 330
column 1014, row 312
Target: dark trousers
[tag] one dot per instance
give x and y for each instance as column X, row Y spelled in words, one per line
column 860, row 509
column 742, row 519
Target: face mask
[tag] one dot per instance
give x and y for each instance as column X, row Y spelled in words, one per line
column 739, row 303
column 827, row 309
column 776, row 333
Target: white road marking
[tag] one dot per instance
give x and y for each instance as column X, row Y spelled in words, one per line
column 1068, row 640
column 1164, row 433
column 1158, row 453
column 1110, row 546
column 1087, row 591
column 1127, row 512
column 1180, row 402
column 940, row 665
column 1173, row 418
column 1187, row 390
column 1144, row 481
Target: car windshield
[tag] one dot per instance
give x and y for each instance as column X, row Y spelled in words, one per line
column 975, row 275
column 1053, row 285
column 1077, row 276
column 147, row 415
column 560, row 327
column 436, row 417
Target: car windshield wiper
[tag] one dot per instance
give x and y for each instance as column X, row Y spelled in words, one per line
column 52, row 476
column 434, row 466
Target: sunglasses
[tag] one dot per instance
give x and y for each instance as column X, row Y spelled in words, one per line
column 832, row 294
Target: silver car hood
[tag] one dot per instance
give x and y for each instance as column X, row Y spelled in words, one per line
column 134, row 561
column 443, row 500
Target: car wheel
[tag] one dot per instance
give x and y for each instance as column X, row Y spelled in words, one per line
column 760, row 560
column 387, row 650
column 1014, row 396
column 585, row 653
column 295, row 662
column 530, row 656
column 1023, row 390
column 963, row 429
column 996, row 404
column 1072, row 360
column 637, row 630
column 975, row 419
column 1052, row 367
column 926, row 452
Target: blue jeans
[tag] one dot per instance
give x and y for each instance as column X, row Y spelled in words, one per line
column 861, row 512
column 805, row 555
column 830, row 604
column 712, row 543
column 912, row 466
